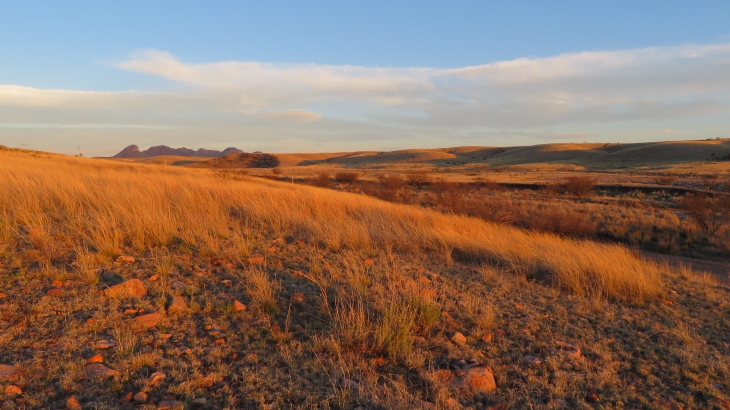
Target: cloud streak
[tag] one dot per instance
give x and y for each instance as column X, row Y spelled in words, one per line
column 578, row 89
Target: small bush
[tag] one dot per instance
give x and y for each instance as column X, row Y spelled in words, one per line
column 418, row 179
column 322, row 180
column 346, row 177
column 392, row 182
column 710, row 214
column 580, row 186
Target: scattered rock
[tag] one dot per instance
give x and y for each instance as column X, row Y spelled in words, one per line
column 178, row 304
column 156, row 378
column 57, row 284
column 6, row 370
column 13, row 391
column 95, row 359
column 476, row 380
column 178, row 286
column 167, row 404
column 131, row 288
column 256, row 260
column 487, row 337
column 592, row 398
column 105, row 344
column 297, row 297
column 73, row 404
column 126, row 398
column 378, row 362
column 368, row 262
column 95, row 370
column 53, row 292
column 144, row 322
column 154, row 277
column 533, row 360
column 238, row 306
column 219, row 342
column 202, row 401
column 459, row 339
column 184, row 350
column 125, row 259
column 140, row 397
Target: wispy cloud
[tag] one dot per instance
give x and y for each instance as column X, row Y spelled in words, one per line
column 585, row 89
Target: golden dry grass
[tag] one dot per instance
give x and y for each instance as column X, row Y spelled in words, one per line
column 104, row 205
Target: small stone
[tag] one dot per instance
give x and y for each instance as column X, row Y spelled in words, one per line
column 57, row 284
column 154, row 277
column 95, row 359
column 178, row 304
column 297, row 297
column 459, row 339
column 378, row 362
column 227, row 283
column 256, row 260
column 131, row 288
column 487, row 337
column 105, row 344
column 95, row 370
column 53, row 292
column 13, row 391
column 156, row 378
column 73, row 404
column 368, row 262
column 126, row 398
column 167, row 404
column 219, row 342
column 140, row 397
column 184, row 350
column 592, row 398
column 178, row 286
column 125, row 259
column 7, row 370
column 238, row 306
column 533, row 360
column 90, row 321
column 2, row 295
column 144, row 322
column 202, row 401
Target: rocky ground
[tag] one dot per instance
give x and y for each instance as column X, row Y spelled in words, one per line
column 294, row 326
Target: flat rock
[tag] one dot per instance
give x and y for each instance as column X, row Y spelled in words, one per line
column 13, row 391
column 7, row 370
column 238, row 306
column 459, row 339
column 144, row 322
column 95, row 359
column 95, row 370
column 73, row 404
column 156, row 378
column 167, row 404
column 131, row 288
column 178, row 286
column 105, row 344
column 178, row 304
column 477, row 380
column 140, row 397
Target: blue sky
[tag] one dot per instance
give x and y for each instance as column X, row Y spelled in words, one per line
column 326, row 76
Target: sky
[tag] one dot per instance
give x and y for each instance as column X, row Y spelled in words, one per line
column 316, row 76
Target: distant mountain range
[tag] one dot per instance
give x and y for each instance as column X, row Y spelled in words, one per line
column 133, row 151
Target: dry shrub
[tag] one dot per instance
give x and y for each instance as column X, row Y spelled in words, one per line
column 710, row 214
column 347, row 177
column 236, row 174
column 392, row 182
column 449, row 195
column 580, row 186
column 323, row 180
column 107, row 204
column 419, row 178
column 485, row 183
column 560, row 221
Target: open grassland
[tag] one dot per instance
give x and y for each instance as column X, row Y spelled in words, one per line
column 128, row 285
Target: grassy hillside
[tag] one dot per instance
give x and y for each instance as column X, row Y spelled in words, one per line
column 259, row 294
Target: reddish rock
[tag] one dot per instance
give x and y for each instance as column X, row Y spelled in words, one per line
column 95, row 359
column 459, row 339
column 95, row 370
column 90, row 321
column 73, row 404
column 131, row 288
column 156, row 378
column 140, row 397
column 154, row 277
column 297, row 297
column 238, row 306
column 57, row 284
column 368, row 262
column 125, row 259
column 7, row 370
column 487, row 337
column 144, row 322
column 53, row 292
column 105, row 344
column 178, row 305
column 13, row 391
column 378, row 362
column 592, row 398
column 219, row 342
column 256, row 260
column 476, row 380
column 167, row 404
